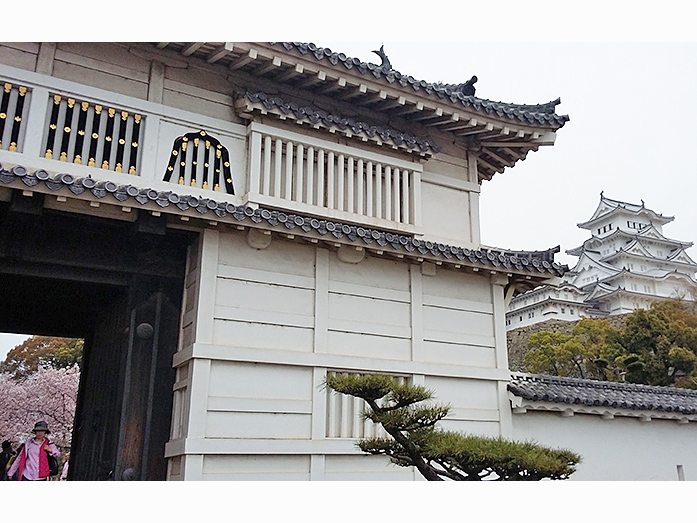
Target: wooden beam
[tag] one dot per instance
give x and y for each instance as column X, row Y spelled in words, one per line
column 487, row 128
column 341, row 82
column 469, row 124
column 408, row 109
column 500, row 159
column 220, row 52
column 162, row 45
column 494, row 143
column 319, row 77
column 290, row 73
column 244, row 60
column 489, row 166
column 373, row 98
column 362, row 89
column 394, row 103
column 516, row 154
column 276, row 62
column 437, row 114
column 455, row 117
column 191, row 48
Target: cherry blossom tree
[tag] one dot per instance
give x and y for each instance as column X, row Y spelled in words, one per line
column 48, row 394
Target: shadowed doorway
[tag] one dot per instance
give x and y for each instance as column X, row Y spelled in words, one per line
column 117, row 284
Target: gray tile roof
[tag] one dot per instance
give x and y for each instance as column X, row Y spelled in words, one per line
column 315, row 115
column 535, row 263
column 591, row 393
column 540, row 114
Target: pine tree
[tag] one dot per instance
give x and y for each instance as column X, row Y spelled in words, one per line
column 438, row 454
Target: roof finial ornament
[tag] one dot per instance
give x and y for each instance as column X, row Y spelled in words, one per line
column 385, row 65
column 467, row 88
column 642, row 203
column 601, row 194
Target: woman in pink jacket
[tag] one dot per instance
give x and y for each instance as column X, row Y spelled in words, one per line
column 31, row 463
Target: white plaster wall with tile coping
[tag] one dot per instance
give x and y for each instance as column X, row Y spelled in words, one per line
column 270, row 323
column 619, row 449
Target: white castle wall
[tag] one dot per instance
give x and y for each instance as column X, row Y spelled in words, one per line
column 620, row 449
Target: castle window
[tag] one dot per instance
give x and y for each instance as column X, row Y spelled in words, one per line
column 199, row 160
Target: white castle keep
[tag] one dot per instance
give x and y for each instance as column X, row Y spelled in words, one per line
column 626, row 264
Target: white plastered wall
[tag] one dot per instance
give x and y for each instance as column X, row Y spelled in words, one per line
column 262, row 327
column 622, row 449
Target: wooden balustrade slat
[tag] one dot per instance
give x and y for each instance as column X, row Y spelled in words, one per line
column 320, row 178
column 405, row 196
column 330, row 180
column 299, row 176
column 277, row 168
column 267, row 166
column 369, row 189
column 340, row 183
column 378, row 191
column 287, row 194
column 359, row 187
column 350, row 178
column 388, row 193
column 309, row 196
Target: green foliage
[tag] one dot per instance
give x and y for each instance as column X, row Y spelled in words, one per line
column 657, row 346
column 42, row 352
column 437, row 454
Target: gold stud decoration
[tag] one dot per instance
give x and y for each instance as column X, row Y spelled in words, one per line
column 63, row 157
column 132, row 169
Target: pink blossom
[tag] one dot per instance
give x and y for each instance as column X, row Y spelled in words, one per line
column 48, row 394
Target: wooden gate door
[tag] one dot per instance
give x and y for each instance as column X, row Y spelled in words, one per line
column 124, row 411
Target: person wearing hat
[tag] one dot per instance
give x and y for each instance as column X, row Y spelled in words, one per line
column 31, row 463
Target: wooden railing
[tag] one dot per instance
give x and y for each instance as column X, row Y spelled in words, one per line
column 13, row 109
column 97, row 135
column 318, row 175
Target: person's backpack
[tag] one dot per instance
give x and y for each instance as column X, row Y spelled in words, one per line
column 52, row 465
